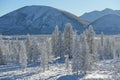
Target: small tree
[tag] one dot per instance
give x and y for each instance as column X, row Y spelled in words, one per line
column 34, row 52
column 102, row 38
column 101, row 46
column 55, row 35
column 90, row 34
column 1, row 57
column 108, row 54
column 28, row 44
column 86, row 55
column 23, row 56
column 76, row 60
column 48, row 49
column 60, row 46
column 81, row 58
column 1, row 51
column 44, row 57
column 68, row 39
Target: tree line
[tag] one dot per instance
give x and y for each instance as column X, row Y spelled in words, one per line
column 84, row 50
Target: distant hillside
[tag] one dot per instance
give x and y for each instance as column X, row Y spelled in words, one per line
column 38, row 20
column 94, row 15
column 109, row 24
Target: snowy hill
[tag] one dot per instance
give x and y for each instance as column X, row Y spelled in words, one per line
column 38, row 20
column 108, row 24
column 94, row 15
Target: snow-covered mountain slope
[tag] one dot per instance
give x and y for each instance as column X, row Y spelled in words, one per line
column 108, row 24
column 94, row 15
column 38, row 20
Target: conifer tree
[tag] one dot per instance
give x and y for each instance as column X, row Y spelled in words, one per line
column 90, row 34
column 68, row 39
column 23, row 55
column 55, row 35
column 44, row 57
column 1, row 57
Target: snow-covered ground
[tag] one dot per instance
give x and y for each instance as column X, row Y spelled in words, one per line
column 57, row 71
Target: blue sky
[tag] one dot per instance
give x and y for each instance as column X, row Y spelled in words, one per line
column 77, row 7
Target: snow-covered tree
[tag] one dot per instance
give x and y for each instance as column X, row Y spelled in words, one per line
column 5, row 50
column 77, row 55
column 101, row 46
column 68, row 39
column 102, row 38
column 44, row 57
column 1, row 51
column 1, row 57
column 108, row 53
column 60, row 46
column 81, row 58
column 16, row 50
column 86, row 56
column 55, row 35
column 28, row 43
column 116, row 51
column 113, row 48
column 90, row 34
column 34, row 50
column 48, row 49
column 23, row 55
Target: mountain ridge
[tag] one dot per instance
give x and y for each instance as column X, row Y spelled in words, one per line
column 94, row 15
column 38, row 20
column 108, row 24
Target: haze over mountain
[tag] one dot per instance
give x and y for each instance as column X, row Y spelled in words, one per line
column 108, row 24
column 38, row 20
column 94, row 15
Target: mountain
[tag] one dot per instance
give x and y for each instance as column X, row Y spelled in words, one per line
column 38, row 20
column 94, row 15
column 108, row 24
